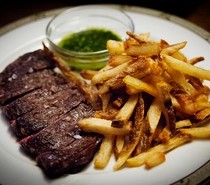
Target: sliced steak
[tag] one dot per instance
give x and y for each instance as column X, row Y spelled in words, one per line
column 70, row 158
column 47, row 112
column 26, row 64
column 43, row 110
column 17, row 72
column 60, row 133
column 62, row 146
column 27, row 83
column 31, row 100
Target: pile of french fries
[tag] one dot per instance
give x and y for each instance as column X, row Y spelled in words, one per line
column 153, row 101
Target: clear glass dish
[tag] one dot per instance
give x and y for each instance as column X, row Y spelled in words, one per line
column 81, row 18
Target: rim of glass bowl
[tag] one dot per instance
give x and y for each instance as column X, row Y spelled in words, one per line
column 85, row 54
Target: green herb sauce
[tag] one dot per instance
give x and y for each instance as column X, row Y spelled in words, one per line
column 90, row 40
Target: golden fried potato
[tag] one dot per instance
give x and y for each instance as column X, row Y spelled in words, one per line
column 153, row 101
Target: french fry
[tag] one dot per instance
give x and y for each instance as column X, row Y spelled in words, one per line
column 202, row 123
column 154, row 66
column 102, row 126
column 170, row 145
column 153, row 115
column 170, row 50
column 115, row 47
column 119, row 144
column 107, row 114
column 131, row 90
column 126, row 111
column 180, row 56
column 183, row 123
column 101, row 77
column 145, row 141
column 199, row 86
column 116, row 60
column 199, row 105
column 140, row 85
column 119, row 102
column 103, row 89
column 187, row 68
column 163, row 44
column 175, row 103
column 130, row 42
column 202, row 98
column 147, row 49
column 153, row 101
column 201, row 115
column 133, row 69
column 180, row 79
column 102, row 157
column 152, row 79
column 201, row 102
column 105, row 68
column 134, row 136
column 155, row 159
column 195, row 60
column 105, row 98
column 167, row 107
column 187, row 104
column 87, row 73
column 141, row 38
column 165, row 135
column 198, row 132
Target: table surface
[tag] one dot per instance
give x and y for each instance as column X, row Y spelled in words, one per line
column 197, row 12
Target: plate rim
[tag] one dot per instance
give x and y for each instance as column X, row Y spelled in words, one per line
column 201, row 174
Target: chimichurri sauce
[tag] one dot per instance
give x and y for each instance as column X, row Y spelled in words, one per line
column 90, row 40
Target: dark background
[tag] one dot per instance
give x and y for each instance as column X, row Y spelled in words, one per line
column 195, row 11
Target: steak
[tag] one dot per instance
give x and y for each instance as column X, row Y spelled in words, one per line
column 27, row 73
column 63, row 142
column 29, row 101
column 43, row 109
column 47, row 112
column 20, row 85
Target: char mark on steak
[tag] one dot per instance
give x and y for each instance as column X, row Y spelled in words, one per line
column 47, row 112
column 59, row 133
column 21, row 85
column 17, row 72
column 26, row 64
column 65, row 159
column 29, row 101
column 64, row 141
column 43, row 109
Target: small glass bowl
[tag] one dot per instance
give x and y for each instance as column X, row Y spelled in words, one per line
column 80, row 18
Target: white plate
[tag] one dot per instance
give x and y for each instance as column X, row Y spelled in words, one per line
column 17, row 168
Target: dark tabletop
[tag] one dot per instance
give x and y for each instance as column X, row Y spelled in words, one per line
column 195, row 11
